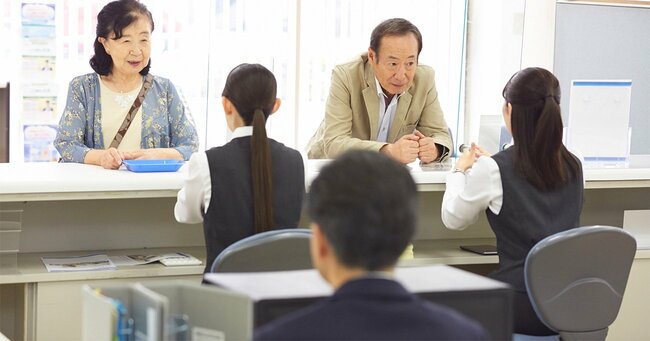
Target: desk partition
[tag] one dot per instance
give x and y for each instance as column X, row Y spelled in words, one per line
column 485, row 300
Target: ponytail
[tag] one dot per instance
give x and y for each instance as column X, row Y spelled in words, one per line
column 536, row 122
column 540, row 155
column 252, row 89
column 546, row 144
column 261, row 174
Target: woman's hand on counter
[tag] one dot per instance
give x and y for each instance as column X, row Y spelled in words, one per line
column 153, row 154
column 110, row 158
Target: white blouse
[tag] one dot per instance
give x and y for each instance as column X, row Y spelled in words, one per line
column 115, row 106
column 194, row 198
column 469, row 194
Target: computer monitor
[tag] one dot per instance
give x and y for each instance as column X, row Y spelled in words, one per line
column 267, row 310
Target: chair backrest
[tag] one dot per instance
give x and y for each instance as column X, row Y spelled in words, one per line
column 576, row 279
column 452, row 152
column 276, row 250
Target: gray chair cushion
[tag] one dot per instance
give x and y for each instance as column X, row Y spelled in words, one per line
column 576, row 278
column 276, row 250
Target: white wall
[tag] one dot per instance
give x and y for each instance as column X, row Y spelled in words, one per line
column 539, row 34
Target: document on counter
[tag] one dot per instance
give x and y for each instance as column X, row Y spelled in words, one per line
column 168, row 259
column 78, row 263
column 434, row 166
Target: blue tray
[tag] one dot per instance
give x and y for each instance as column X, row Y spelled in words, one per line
column 153, row 165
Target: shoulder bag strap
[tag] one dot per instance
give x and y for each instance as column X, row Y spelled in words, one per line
column 134, row 108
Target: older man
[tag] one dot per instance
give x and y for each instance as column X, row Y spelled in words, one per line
column 385, row 101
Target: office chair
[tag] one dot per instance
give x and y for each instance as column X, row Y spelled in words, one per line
column 276, row 250
column 452, row 151
column 576, row 279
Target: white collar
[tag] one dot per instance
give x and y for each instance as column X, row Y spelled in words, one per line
column 242, row 132
column 380, row 91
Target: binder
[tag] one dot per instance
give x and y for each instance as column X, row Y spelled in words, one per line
column 123, row 313
column 99, row 315
column 170, row 310
column 206, row 310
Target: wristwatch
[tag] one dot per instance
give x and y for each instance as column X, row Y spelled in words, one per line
column 458, row 170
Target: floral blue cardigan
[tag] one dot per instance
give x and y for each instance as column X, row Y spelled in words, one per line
column 165, row 122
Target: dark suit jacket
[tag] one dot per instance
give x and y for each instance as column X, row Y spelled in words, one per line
column 372, row 309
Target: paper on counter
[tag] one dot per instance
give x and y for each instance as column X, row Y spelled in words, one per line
column 78, row 263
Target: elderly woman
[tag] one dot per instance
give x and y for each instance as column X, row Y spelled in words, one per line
column 121, row 111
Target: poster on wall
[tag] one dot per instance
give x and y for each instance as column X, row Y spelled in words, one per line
column 38, row 109
column 39, row 67
column 39, row 87
column 38, row 29
column 39, row 145
column 38, row 78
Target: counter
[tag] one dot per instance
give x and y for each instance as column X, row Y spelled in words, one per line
column 71, row 181
column 72, row 209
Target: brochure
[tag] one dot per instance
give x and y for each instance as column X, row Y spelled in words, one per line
column 168, row 259
column 79, row 263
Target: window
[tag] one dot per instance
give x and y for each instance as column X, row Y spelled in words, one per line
column 196, row 43
column 304, row 41
column 243, row 32
column 333, row 32
column 494, row 46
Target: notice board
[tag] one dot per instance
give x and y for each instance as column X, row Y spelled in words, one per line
column 598, row 41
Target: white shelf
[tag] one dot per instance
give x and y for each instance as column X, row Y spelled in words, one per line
column 30, row 268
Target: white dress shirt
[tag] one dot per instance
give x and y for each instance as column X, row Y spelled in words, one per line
column 194, row 198
column 469, row 194
column 385, row 114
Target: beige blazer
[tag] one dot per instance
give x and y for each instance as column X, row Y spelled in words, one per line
column 351, row 113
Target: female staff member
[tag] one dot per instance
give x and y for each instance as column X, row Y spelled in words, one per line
column 253, row 183
column 528, row 191
column 98, row 102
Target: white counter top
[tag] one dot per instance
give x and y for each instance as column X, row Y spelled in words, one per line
column 71, row 181
column 432, row 177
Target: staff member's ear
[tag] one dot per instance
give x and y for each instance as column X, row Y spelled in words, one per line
column 507, row 116
column 276, row 105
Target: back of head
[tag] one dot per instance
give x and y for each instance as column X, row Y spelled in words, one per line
column 114, row 18
column 365, row 204
column 394, row 27
column 252, row 89
column 536, row 123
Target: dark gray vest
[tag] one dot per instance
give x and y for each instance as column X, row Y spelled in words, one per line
column 230, row 214
column 527, row 216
